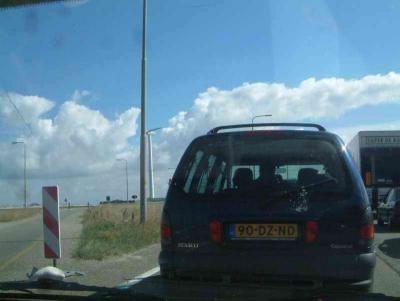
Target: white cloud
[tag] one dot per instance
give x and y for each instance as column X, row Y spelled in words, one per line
column 312, row 99
column 30, row 107
column 78, row 143
column 78, row 95
column 77, row 147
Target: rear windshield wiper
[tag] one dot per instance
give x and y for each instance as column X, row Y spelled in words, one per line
column 297, row 197
column 312, row 185
column 303, row 188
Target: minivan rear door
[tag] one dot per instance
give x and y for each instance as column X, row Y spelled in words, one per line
column 229, row 192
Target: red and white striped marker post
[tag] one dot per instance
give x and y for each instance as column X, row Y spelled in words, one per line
column 51, row 223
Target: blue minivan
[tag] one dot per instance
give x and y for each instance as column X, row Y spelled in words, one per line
column 272, row 203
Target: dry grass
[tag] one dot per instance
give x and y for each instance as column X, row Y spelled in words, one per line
column 7, row 215
column 110, row 230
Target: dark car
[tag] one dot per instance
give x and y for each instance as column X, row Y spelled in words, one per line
column 278, row 206
column 389, row 209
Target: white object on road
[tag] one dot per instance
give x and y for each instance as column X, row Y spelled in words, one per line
column 51, row 274
column 51, row 222
column 47, row 274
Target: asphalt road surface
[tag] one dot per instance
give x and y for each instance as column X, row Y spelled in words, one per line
column 21, row 248
column 23, row 239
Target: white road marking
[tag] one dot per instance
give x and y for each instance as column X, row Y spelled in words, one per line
column 141, row 277
column 149, row 273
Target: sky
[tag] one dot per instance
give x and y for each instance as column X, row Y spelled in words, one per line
column 73, row 71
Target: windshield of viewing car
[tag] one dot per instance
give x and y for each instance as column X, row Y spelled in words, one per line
column 232, row 166
column 100, row 100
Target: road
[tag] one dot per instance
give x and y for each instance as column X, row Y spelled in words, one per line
column 21, row 248
column 19, row 238
column 22, row 240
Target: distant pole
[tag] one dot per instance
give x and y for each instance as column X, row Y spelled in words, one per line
column 25, row 181
column 151, row 177
column 25, row 188
column 151, row 169
column 127, row 182
column 126, row 178
column 143, row 200
column 257, row 116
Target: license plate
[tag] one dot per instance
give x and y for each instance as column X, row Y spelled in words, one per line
column 264, row 231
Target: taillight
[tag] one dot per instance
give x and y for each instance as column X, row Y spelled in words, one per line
column 216, row 231
column 166, row 232
column 367, row 232
column 311, row 231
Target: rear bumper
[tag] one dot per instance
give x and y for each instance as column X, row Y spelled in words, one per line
column 346, row 268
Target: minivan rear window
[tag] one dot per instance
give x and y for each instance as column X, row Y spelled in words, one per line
column 257, row 166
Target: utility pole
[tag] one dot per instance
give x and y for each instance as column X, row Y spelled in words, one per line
column 149, row 133
column 25, row 184
column 143, row 200
column 126, row 177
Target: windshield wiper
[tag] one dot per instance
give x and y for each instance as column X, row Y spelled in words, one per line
column 329, row 180
column 303, row 188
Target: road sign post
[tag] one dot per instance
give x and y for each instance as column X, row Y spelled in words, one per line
column 51, row 223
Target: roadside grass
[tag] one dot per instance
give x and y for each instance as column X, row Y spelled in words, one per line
column 114, row 229
column 8, row 215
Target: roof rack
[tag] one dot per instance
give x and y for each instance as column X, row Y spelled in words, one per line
column 248, row 125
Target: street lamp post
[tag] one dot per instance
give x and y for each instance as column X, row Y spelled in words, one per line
column 126, row 176
column 25, row 186
column 257, row 116
column 149, row 133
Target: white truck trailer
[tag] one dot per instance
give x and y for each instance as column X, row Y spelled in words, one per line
column 377, row 156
